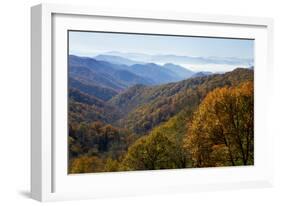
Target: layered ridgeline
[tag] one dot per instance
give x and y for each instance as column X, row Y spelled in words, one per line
column 144, row 107
column 118, row 77
column 116, row 112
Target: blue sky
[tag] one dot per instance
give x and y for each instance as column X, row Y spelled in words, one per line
column 93, row 43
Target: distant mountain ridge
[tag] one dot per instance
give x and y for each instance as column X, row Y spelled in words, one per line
column 118, row 77
column 177, row 72
column 103, row 73
column 182, row 72
column 183, row 59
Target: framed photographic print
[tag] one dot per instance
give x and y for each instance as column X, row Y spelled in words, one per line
column 137, row 102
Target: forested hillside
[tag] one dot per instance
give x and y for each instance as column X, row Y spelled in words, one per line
column 146, row 107
column 120, row 119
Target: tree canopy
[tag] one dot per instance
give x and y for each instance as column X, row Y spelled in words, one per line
column 221, row 132
column 155, row 151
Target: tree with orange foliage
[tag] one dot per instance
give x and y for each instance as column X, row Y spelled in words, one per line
column 222, row 130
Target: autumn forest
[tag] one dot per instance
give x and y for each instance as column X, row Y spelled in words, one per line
column 127, row 114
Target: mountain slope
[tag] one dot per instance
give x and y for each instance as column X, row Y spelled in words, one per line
column 87, row 108
column 157, row 73
column 91, row 76
column 182, row 72
column 146, row 107
column 102, row 93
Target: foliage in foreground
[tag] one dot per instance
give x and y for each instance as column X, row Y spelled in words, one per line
column 212, row 129
column 221, row 132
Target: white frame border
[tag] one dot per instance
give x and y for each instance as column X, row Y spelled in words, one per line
column 42, row 84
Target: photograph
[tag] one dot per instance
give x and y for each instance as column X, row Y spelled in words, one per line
column 139, row 101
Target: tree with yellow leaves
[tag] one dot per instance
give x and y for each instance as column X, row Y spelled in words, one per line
column 221, row 132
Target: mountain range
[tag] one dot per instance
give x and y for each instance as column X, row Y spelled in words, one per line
column 140, row 108
column 115, row 76
column 140, row 96
column 106, row 76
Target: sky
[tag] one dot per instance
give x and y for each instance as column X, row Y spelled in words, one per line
column 93, row 43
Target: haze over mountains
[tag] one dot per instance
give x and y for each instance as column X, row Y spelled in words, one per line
column 183, row 60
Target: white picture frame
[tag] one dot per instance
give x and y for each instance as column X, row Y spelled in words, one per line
column 50, row 182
